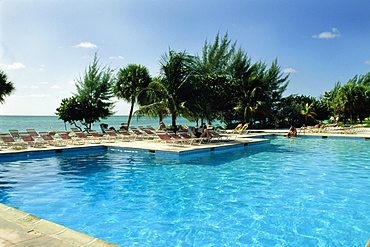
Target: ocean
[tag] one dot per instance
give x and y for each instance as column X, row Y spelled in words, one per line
column 51, row 123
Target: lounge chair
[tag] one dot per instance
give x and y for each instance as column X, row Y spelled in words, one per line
column 191, row 140
column 15, row 134
column 27, row 138
column 150, row 127
column 9, row 142
column 126, row 135
column 237, row 129
column 244, row 128
column 176, row 137
column 112, row 136
column 96, row 135
column 49, row 139
column 150, row 132
column 91, row 139
column 139, row 134
column 72, row 141
column 32, row 132
column 168, row 140
column 216, row 136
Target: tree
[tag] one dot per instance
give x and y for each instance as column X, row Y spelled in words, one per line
column 234, row 89
column 308, row 110
column 172, row 89
column 71, row 111
column 214, row 82
column 352, row 101
column 289, row 111
column 130, row 82
column 6, row 87
column 259, row 91
column 92, row 100
column 150, row 101
column 328, row 99
column 248, row 81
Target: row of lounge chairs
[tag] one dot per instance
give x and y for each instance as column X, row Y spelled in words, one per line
column 333, row 129
column 239, row 129
column 31, row 138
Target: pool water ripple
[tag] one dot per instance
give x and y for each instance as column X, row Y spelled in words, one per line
column 292, row 192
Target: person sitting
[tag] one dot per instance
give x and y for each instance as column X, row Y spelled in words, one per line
column 201, row 128
column 199, row 132
column 103, row 127
column 292, row 131
column 181, row 128
column 206, row 133
column 319, row 125
column 162, row 126
column 210, row 127
column 123, row 126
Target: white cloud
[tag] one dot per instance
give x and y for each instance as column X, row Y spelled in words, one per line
column 15, row 65
column 328, row 35
column 30, row 95
column 289, row 70
column 42, row 67
column 55, row 86
column 85, row 45
column 367, row 62
column 39, row 95
column 34, row 86
column 43, row 82
column 119, row 57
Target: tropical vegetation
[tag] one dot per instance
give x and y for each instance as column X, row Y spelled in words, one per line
column 130, row 82
column 6, row 87
column 92, row 102
column 220, row 84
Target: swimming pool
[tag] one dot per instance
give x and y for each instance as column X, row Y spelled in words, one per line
column 291, row 192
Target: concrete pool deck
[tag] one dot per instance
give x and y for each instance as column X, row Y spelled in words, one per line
column 20, row 229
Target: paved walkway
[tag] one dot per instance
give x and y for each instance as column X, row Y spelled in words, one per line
column 18, row 228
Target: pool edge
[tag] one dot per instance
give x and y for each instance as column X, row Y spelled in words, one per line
column 18, row 228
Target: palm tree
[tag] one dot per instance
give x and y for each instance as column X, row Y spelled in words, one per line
column 150, row 101
column 308, row 110
column 6, row 87
column 171, row 91
column 130, row 82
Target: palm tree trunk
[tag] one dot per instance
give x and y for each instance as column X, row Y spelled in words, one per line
column 174, row 123
column 131, row 112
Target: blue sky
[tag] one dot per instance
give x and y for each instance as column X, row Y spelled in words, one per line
column 46, row 44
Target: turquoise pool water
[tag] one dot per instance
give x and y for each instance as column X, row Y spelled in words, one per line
column 291, row 192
